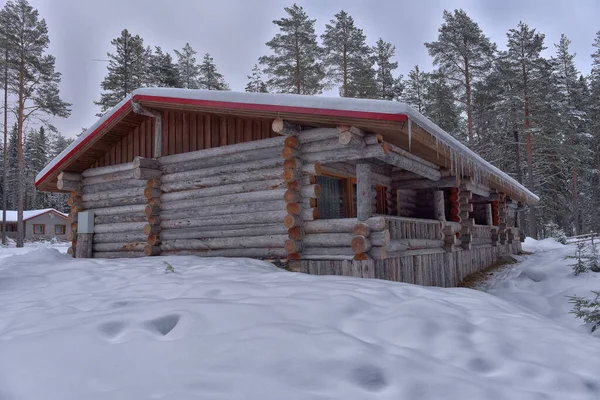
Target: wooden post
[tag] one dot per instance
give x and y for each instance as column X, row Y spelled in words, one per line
column 84, row 245
column 464, row 197
column 157, row 115
column 489, row 220
column 364, row 199
column 438, row 205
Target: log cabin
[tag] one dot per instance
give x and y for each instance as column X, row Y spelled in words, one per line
column 354, row 187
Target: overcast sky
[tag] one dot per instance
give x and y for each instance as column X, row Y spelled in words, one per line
column 234, row 32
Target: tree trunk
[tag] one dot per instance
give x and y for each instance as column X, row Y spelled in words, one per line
column 533, row 230
column 20, row 225
column 5, row 165
column 468, row 98
column 518, row 160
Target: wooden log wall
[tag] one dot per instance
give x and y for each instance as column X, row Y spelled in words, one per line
column 184, row 132
column 466, row 207
column 225, row 201
column 117, row 199
column 432, row 269
column 72, row 181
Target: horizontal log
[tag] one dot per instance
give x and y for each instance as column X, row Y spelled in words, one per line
column 286, row 128
column 111, row 219
column 107, row 170
column 224, row 189
column 251, row 218
column 447, row 181
column 117, row 254
column 114, row 177
column 123, row 237
column 380, row 238
column 222, row 169
column 142, row 162
column 224, row 231
column 120, row 246
column 411, row 156
column 223, row 151
column 264, row 253
column 267, row 241
column 62, row 184
column 70, row 176
column 343, row 225
column 328, row 240
column 223, row 209
column 349, row 170
column 413, row 244
column 113, row 194
column 477, row 189
column 332, row 257
column 327, row 251
column 411, row 253
column 345, row 154
column 236, row 198
column 223, row 179
column 139, row 208
column 409, row 164
column 146, row 173
column 322, row 145
column 360, row 245
column 317, row 134
column 119, row 227
column 118, row 202
column 220, row 161
column 378, row 253
column 113, row 185
column 350, row 139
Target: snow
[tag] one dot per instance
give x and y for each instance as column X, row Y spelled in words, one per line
column 543, row 281
column 11, row 216
column 307, row 102
column 243, row 329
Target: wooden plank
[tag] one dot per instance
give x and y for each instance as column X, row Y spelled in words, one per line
column 165, row 133
column 239, row 130
column 186, row 132
column 178, row 133
column 193, row 132
column 215, row 135
column 256, row 127
column 222, row 131
column 247, row 130
column 207, row 131
column 136, row 141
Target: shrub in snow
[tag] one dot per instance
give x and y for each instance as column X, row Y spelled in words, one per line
column 587, row 309
column 169, row 267
column 594, row 265
column 581, row 265
column 552, row 230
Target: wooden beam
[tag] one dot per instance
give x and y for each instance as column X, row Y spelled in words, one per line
column 364, row 199
column 410, row 164
column 478, row 189
column 139, row 109
column 449, row 181
column 285, row 128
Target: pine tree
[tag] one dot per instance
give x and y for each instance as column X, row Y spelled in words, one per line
column 126, row 70
column 5, row 86
column 13, row 170
column 388, row 87
column 187, row 68
column 415, row 91
column 347, row 58
column 36, row 84
column 163, row 72
column 36, row 156
column 294, row 67
column 594, row 120
column 255, row 82
column 210, row 78
column 464, row 55
column 440, row 106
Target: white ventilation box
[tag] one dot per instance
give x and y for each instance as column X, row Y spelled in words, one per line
column 85, row 222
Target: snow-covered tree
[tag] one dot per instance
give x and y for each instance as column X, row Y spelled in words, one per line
column 163, row 72
column 35, row 81
column 294, row 66
column 127, row 70
column 209, row 78
column 255, row 83
column 388, row 86
column 415, row 88
column 187, row 68
column 347, row 58
column 463, row 54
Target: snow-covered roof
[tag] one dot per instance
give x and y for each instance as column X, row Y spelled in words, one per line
column 11, row 215
column 302, row 104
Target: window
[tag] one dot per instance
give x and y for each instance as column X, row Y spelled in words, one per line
column 39, row 229
column 338, row 197
column 60, row 229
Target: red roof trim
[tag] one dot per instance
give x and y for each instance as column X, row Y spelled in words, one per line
column 276, row 108
column 240, row 106
column 83, row 142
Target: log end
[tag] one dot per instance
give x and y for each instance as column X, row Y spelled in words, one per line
column 296, row 233
column 290, row 163
column 318, row 169
column 291, row 221
column 361, row 230
column 294, row 208
column 152, row 250
column 360, row 244
column 288, row 152
column 289, row 175
column 293, row 246
column 294, row 256
column 292, row 141
column 361, row 257
column 291, row 196
column 153, row 240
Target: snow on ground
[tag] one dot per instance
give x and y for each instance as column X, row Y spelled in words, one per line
column 543, row 281
column 242, row 329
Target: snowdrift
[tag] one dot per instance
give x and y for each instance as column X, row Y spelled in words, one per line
column 242, row 329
